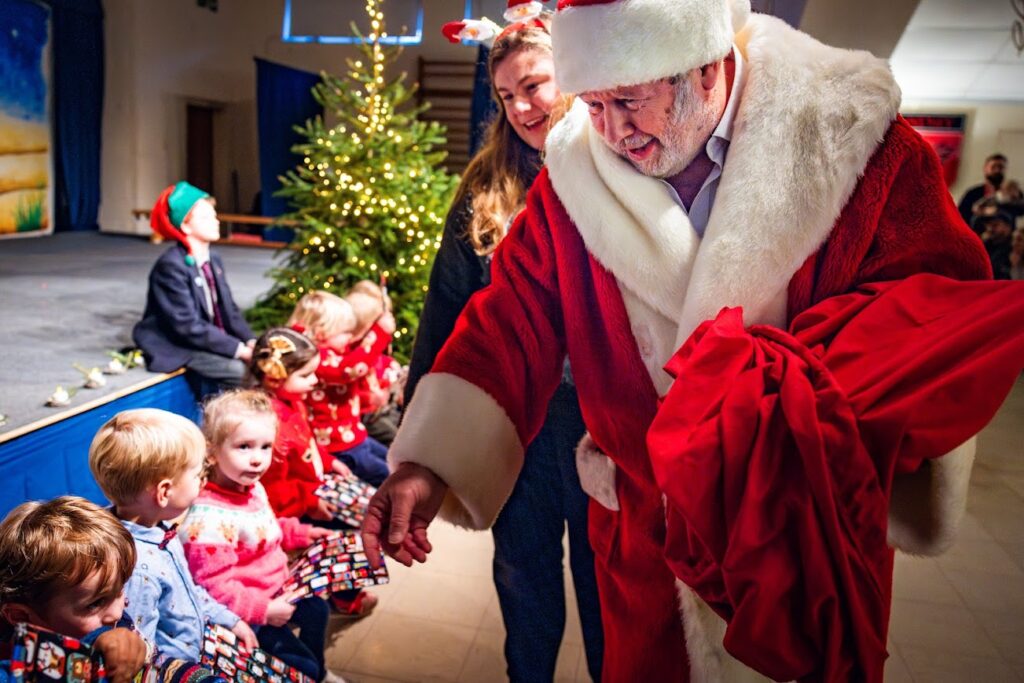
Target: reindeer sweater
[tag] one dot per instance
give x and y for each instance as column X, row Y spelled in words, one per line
column 235, row 548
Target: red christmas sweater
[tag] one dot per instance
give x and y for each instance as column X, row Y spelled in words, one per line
column 299, row 463
column 385, row 373
column 336, row 403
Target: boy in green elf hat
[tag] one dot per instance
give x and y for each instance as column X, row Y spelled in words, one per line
column 191, row 320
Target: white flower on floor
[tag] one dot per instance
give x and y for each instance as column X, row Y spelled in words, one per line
column 59, row 398
column 94, row 378
column 115, row 367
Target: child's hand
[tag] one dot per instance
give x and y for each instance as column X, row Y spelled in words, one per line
column 341, row 468
column 279, row 611
column 318, row 532
column 324, row 511
column 387, row 322
column 379, row 398
column 124, row 653
column 245, row 634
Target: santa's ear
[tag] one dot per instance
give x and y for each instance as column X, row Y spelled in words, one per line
column 708, row 79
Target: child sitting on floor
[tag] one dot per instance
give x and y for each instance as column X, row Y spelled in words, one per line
column 234, row 544
column 149, row 463
column 63, row 565
column 191, row 320
column 284, row 364
column 334, row 403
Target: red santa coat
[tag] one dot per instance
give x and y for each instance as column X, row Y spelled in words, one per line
column 824, row 189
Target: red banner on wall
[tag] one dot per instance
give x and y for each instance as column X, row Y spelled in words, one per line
column 945, row 133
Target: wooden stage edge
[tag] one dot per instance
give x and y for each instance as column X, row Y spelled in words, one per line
column 88, row 405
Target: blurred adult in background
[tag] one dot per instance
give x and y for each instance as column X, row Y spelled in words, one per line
column 995, row 174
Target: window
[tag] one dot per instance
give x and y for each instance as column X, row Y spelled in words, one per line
column 330, row 21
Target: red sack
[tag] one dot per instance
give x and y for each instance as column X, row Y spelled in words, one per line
column 776, row 453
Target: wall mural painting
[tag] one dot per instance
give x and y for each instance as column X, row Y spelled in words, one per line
column 25, row 141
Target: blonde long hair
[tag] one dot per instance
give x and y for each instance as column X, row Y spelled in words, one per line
column 496, row 178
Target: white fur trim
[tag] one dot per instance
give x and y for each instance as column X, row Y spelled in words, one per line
column 597, row 473
column 463, row 435
column 809, row 119
column 926, row 507
column 598, row 47
column 705, row 632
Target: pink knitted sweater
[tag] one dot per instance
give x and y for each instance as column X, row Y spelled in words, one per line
column 235, row 548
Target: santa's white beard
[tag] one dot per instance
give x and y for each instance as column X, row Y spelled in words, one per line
column 683, row 139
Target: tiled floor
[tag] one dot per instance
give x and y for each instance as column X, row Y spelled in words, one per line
column 959, row 617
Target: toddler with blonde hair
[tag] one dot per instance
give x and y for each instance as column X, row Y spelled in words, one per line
column 149, row 463
column 234, row 543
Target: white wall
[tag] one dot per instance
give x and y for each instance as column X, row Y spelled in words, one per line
column 161, row 55
column 985, row 123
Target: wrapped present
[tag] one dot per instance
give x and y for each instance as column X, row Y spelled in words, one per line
column 334, row 563
column 228, row 657
column 349, row 494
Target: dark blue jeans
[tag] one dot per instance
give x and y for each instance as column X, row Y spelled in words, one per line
column 368, row 461
column 305, row 652
column 528, row 569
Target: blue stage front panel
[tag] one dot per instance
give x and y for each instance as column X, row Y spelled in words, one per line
column 54, row 460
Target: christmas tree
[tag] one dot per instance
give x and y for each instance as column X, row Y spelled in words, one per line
column 369, row 197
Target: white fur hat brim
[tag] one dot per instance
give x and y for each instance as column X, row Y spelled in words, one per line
column 628, row 42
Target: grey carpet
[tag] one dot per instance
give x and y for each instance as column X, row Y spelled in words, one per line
column 72, row 297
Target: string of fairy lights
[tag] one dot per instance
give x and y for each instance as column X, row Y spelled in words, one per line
column 411, row 221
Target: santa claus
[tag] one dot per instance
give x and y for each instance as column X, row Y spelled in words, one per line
column 717, row 160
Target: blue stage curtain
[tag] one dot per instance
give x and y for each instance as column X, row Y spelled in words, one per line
column 483, row 107
column 77, row 107
column 283, row 99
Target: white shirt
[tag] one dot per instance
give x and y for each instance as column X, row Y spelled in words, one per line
column 717, row 147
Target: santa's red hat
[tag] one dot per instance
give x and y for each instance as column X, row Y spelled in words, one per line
column 604, row 44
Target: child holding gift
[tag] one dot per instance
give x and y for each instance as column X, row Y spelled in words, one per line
column 63, row 565
column 284, row 364
column 234, row 544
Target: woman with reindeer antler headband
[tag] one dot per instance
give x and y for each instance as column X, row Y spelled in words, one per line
column 528, row 564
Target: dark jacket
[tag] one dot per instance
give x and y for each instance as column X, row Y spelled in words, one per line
column 967, row 202
column 176, row 323
column 458, row 273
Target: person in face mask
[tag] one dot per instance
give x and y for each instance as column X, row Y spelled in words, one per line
column 995, row 173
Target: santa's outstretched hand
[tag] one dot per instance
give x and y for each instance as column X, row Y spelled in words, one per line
column 403, row 507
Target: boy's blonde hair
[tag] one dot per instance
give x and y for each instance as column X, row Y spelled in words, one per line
column 137, row 448
column 223, row 413
column 52, row 546
column 323, row 315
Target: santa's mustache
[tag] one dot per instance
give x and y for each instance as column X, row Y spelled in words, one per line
column 634, row 141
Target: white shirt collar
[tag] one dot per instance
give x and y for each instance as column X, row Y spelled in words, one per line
column 724, row 129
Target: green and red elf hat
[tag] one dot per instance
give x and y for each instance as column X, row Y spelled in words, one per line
column 170, row 210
